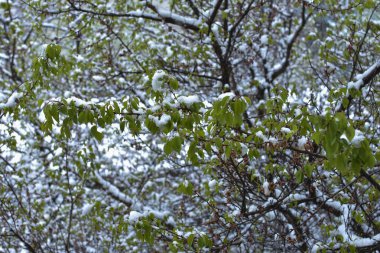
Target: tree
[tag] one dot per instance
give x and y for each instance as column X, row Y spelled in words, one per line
column 229, row 125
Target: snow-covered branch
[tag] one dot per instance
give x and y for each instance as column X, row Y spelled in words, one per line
column 360, row 244
column 12, row 100
column 113, row 190
column 362, row 79
column 290, row 41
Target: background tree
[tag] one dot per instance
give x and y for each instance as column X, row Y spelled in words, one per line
column 189, row 126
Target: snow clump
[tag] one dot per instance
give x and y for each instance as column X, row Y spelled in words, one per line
column 157, row 80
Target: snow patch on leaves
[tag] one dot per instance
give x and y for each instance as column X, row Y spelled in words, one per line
column 227, row 94
column 160, row 121
column 189, row 100
column 157, row 80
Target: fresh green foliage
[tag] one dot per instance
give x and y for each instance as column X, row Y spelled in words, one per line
column 189, row 126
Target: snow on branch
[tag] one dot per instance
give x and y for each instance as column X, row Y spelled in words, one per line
column 278, row 69
column 361, row 244
column 361, row 81
column 173, row 18
column 113, row 190
column 12, row 100
column 161, row 15
column 365, row 78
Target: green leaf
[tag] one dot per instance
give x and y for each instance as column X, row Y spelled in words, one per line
column 299, row 176
column 188, row 122
column 151, row 126
column 238, row 107
column 135, row 103
column 47, row 114
column 101, row 122
column 173, row 83
column 345, row 102
column 168, row 149
column 53, row 51
column 308, row 169
column 186, row 188
column 122, row 126
column 189, row 189
column 191, row 153
column 174, row 144
column 350, row 133
column 73, row 113
column 54, row 112
column 316, row 137
column 190, row 239
column 377, row 156
column 116, row 107
column 82, row 117
column 98, row 135
column 341, row 162
column 177, row 143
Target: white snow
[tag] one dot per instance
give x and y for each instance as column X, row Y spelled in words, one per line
column 157, row 81
column 4, row 56
column 160, row 122
column 285, row 130
column 264, row 39
column 227, row 94
column 98, row 78
column 368, row 71
column 178, row 18
column 12, row 100
column 358, row 138
column 344, row 220
column 364, row 242
column 113, row 190
column 301, row 142
column 297, row 112
column 355, row 85
column 134, row 216
column 188, row 101
column 356, row 242
column 78, row 102
column 42, row 50
column 79, row 58
column 276, row 67
column 252, row 208
column 359, row 78
column 169, row 52
column 212, row 184
column 261, row 136
column 171, row 221
column 244, row 149
column 86, row 209
column 266, row 188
